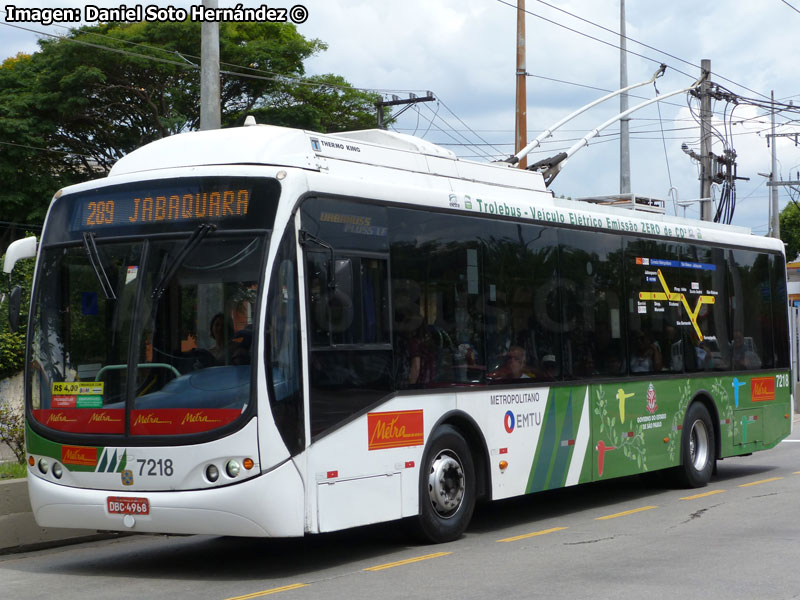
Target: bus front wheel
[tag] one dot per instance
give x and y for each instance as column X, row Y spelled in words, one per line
column 697, row 447
column 446, row 487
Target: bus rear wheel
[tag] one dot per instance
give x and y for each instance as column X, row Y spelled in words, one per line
column 697, row 447
column 446, row 487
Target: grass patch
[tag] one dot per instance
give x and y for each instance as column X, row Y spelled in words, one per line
column 13, row 470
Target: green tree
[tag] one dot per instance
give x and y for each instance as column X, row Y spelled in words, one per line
column 789, row 221
column 69, row 111
column 12, row 343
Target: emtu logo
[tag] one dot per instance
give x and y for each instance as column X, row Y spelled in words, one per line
column 509, row 421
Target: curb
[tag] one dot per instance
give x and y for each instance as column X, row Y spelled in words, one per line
column 19, row 531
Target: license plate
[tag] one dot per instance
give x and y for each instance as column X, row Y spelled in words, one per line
column 123, row 505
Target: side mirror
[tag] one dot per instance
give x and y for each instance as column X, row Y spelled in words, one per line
column 13, row 308
column 17, row 250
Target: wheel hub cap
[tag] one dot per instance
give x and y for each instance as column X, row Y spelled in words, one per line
column 446, row 484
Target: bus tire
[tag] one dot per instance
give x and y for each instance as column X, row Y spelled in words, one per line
column 446, row 487
column 697, row 447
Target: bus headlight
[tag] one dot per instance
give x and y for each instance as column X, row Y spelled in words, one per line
column 212, row 473
column 43, row 465
column 57, row 471
column 232, row 469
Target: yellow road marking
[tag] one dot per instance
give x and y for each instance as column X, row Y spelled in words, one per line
column 626, row 513
column 760, row 481
column 530, row 535
column 285, row 588
column 796, row 473
column 703, row 495
column 407, row 561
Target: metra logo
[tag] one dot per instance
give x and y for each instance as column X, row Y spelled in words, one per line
column 762, row 389
column 150, row 419
column 198, row 417
column 59, row 417
column 79, row 455
column 103, row 417
column 397, row 429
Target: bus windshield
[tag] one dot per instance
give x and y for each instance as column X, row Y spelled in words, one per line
column 149, row 332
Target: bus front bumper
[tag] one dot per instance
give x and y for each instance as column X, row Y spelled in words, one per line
column 270, row 505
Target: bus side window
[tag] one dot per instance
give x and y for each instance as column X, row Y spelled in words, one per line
column 348, row 315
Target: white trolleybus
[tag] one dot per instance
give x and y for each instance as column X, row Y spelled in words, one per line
column 262, row 331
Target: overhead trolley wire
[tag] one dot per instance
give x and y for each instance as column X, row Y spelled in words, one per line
column 790, row 6
column 611, row 44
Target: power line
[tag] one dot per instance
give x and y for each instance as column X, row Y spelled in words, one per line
column 267, row 75
column 790, row 6
column 591, row 37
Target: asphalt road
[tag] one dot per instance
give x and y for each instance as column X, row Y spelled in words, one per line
column 630, row 538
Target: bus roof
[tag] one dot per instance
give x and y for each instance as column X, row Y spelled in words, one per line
column 281, row 146
column 340, row 154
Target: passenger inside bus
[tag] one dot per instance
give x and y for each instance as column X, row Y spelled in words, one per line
column 221, row 329
column 549, row 368
column 645, row 355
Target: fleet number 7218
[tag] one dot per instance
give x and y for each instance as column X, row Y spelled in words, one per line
column 153, row 467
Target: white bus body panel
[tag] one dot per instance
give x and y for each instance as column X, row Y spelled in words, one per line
column 352, row 481
column 265, row 506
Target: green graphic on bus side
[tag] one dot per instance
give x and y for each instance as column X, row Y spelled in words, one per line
column 554, row 452
column 637, row 426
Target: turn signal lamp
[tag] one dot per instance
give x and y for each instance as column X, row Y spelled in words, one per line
column 248, row 463
column 31, row 461
column 503, row 465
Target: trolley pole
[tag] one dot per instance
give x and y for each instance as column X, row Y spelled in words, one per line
column 521, row 124
column 705, row 144
column 209, row 73
column 624, row 123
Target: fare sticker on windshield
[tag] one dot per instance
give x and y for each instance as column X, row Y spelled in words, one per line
column 77, row 394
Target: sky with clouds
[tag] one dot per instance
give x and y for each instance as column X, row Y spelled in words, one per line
column 464, row 52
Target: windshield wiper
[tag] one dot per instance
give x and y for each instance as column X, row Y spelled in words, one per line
column 201, row 232
column 97, row 265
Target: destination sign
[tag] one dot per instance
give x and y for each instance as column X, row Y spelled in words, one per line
column 142, row 207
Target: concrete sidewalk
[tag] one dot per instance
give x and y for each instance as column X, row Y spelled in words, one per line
column 18, row 529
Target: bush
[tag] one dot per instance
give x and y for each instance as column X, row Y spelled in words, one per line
column 12, row 431
column 12, row 353
column 12, row 344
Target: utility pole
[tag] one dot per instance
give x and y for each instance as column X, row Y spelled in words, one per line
column 521, row 124
column 774, row 222
column 209, row 73
column 396, row 101
column 706, row 174
column 624, row 123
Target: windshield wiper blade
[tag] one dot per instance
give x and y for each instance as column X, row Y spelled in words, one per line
column 97, row 265
column 201, row 232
